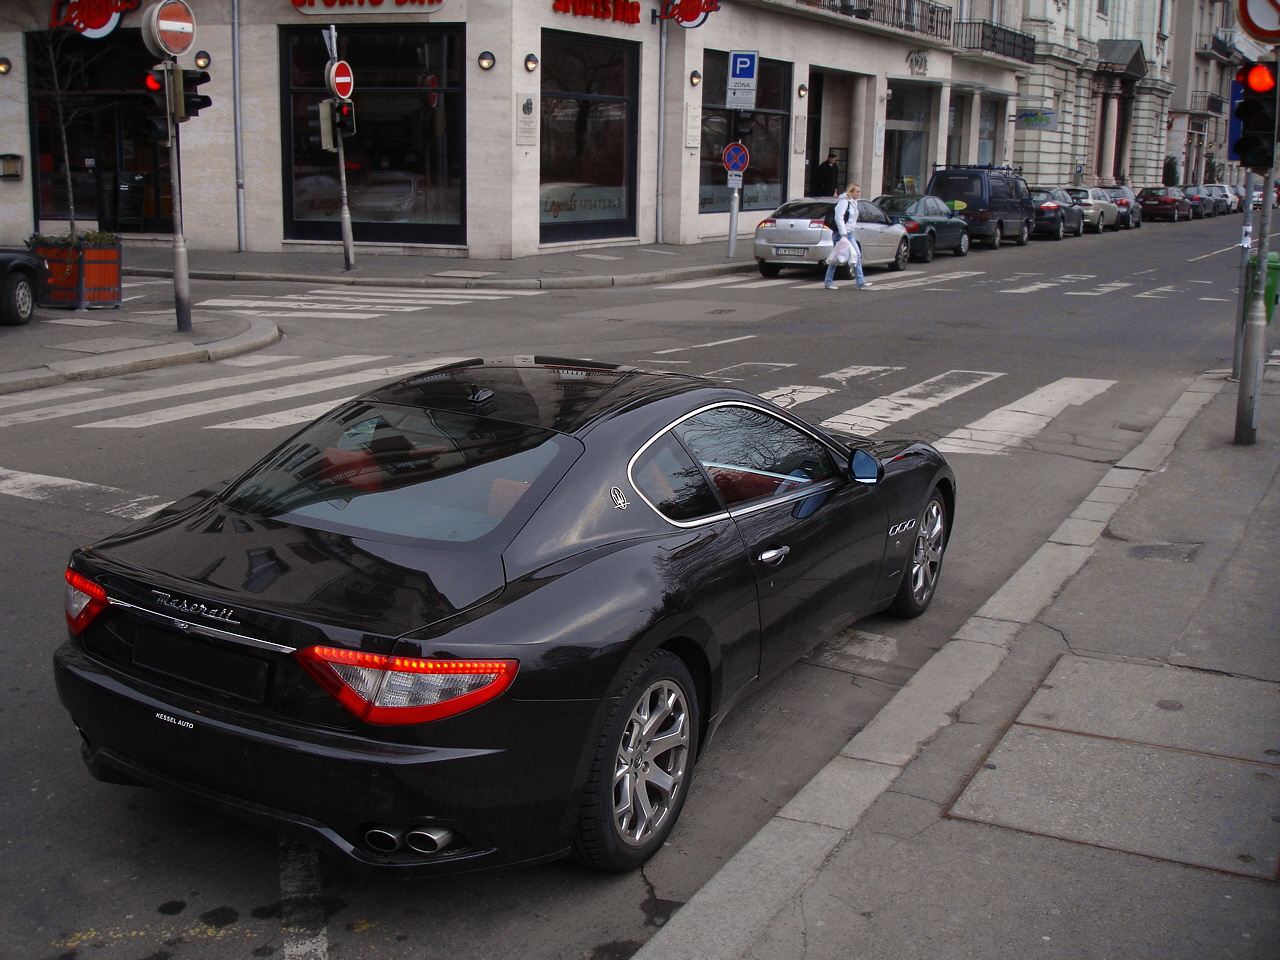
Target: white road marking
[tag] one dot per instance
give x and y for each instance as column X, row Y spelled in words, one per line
column 282, row 418
column 705, row 282
column 380, row 294
column 256, row 360
column 699, row 346
column 217, row 404
column 748, row 369
column 765, row 283
column 793, row 396
column 1097, row 291
column 885, row 411
column 313, row 314
column 182, row 389
column 848, row 373
column 1017, row 422
column 926, row 281
column 45, row 394
column 1032, row 288
column 78, row 495
column 1158, row 293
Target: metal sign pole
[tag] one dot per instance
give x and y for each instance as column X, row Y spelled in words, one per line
column 1246, row 251
column 733, row 221
column 348, row 247
column 181, row 277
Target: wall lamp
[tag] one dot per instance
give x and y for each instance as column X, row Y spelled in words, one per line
column 203, row 59
column 531, row 62
column 802, row 91
column 5, row 66
column 486, row 60
column 695, row 78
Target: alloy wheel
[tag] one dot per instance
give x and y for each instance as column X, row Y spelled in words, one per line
column 652, row 762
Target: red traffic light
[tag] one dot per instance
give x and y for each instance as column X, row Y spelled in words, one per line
column 1259, row 78
column 153, row 82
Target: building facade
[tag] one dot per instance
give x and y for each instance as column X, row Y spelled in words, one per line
column 502, row 128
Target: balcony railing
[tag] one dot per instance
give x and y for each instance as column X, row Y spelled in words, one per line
column 1217, row 45
column 918, row 16
column 1202, row 101
column 984, row 35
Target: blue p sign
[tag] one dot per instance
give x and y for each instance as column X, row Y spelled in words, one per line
column 743, row 66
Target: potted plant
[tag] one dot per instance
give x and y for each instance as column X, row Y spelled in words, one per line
column 84, row 269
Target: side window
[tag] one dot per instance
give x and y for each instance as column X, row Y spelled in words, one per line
column 937, row 208
column 672, row 482
column 870, row 213
column 751, row 455
column 1024, row 192
column 999, row 189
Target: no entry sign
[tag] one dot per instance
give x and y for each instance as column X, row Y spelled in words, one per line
column 169, row 28
column 339, row 79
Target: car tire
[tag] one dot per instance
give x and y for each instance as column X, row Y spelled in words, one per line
column 1100, row 225
column 1080, row 227
column 1024, row 235
column 900, row 259
column 924, row 566
column 961, row 249
column 1137, row 224
column 926, row 254
column 1115, row 224
column 17, row 300
column 997, row 237
column 768, row 269
column 1175, row 214
column 1059, row 230
column 844, row 272
column 642, row 768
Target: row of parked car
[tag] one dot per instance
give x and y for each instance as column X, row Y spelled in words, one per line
column 966, row 205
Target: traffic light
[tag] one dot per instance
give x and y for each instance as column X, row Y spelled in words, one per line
column 1256, row 112
column 320, row 126
column 156, row 123
column 742, row 124
column 344, row 117
column 192, row 100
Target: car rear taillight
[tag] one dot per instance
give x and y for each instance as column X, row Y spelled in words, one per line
column 910, row 226
column 83, row 602
column 398, row 690
column 815, row 224
column 767, row 223
column 1122, row 202
column 1048, row 206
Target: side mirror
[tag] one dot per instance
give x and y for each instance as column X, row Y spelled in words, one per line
column 865, row 468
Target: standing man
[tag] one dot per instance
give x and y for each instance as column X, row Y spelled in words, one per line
column 846, row 214
column 826, row 179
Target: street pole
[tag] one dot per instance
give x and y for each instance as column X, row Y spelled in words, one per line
column 348, row 247
column 733, row 221
column 181, row 279
column 1254, row 334
column 1246, row 250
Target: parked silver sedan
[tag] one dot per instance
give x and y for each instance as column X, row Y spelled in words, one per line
column 798, row 234
column 1100, row 211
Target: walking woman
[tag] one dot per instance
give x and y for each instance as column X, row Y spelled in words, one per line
column 846, row 219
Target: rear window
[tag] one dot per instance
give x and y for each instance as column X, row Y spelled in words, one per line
column 1153, row 192
column 897, row 206
column 957, row 186
column 406, row 474
column 804, row 209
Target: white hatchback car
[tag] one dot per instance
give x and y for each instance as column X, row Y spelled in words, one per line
column 797, row 235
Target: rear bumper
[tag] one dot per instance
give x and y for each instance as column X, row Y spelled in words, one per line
column 505, row 805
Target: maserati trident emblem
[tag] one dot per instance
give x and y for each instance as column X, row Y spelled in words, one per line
column 225, row 614
column 620, row 501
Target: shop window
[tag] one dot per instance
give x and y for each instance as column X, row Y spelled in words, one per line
column 405, row 163
column 588, row 138
column 764, row 131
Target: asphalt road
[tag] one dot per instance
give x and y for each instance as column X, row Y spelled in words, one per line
column 1053, row 359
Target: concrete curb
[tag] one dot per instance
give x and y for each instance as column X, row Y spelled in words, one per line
column 735, row 907
column 261, row 333
column 459, row 283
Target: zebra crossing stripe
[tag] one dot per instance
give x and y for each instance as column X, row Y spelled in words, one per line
column 219, row 404
column 885, row 411
column 1017, row 422
column 78, row 495
column 182, row 389
column 282, row 418
column 788, row 397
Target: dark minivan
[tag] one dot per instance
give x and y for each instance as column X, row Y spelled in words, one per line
column 994, row 201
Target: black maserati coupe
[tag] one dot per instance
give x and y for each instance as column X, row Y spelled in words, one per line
column 489, row 614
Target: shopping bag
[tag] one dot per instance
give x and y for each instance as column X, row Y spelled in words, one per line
column 844, row 251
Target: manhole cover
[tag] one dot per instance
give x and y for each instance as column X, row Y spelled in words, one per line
column 1165, row 551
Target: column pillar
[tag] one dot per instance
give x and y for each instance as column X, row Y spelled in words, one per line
column 857, row 132
column 1110, row 124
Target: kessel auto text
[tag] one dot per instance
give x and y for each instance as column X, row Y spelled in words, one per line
column 490, row 614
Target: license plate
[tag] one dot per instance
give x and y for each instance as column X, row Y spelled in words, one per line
column 789, row 251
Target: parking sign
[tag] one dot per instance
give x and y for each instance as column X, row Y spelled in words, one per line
column 741, row 92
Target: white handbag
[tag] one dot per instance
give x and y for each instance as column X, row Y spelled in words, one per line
column 845, row 252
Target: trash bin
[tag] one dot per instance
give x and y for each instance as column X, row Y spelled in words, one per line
column 1269, row 285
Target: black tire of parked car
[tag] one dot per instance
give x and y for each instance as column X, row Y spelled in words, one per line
column 1101, row 224
column 1024, row 235
column 1059, row 230
column 599, row 839
column 997, row 236
column 1080, row 227
column 902, row 256
column 926, row 252
column 768, row 269
column 920, row 578
column 17, row 300
column 961, row 249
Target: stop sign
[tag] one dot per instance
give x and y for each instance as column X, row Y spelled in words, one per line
column 169, row 28
column 339, row 79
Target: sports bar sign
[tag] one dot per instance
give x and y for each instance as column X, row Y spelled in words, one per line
column 330, row 7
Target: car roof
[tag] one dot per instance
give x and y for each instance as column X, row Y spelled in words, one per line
column 555, row 393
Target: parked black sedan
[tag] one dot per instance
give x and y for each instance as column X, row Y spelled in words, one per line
column 929, row 222
column 21, row 277
column 489, row 614
column 1057, row 214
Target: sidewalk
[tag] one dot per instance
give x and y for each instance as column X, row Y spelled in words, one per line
column 66, row 345
column 1089, row 769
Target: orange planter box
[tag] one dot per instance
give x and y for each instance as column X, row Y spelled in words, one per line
column 81, row 276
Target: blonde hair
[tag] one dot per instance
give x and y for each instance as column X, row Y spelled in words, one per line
column 852, row 187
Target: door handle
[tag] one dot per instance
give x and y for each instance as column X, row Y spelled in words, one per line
column 773, row 556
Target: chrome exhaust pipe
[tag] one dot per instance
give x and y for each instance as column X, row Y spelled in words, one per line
column 384, row 839
column 428, row 839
